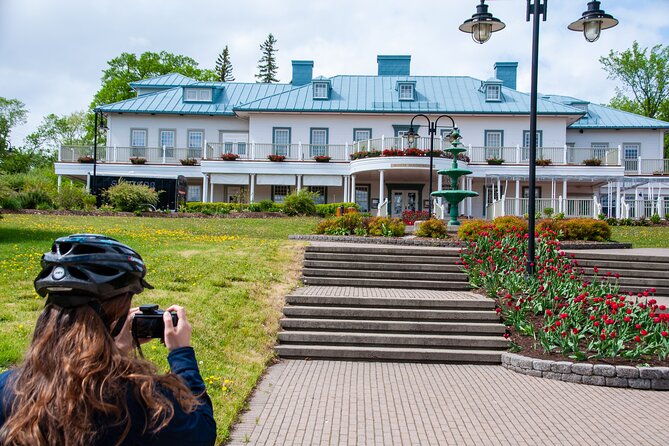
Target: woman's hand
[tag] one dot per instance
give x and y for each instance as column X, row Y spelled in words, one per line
column 124, row 339
column 179, row 336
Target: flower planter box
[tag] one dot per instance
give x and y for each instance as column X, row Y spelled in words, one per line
column 322, row 159
column 86, row 159
column 543, row 162
column 593, row 162
column 229, row 157
column 137, row 160
column 276, row 158
column 494, row 161
column 188, row 162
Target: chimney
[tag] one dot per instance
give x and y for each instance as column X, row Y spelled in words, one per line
column 507, row 73
column 394, row 65
column 303, row 72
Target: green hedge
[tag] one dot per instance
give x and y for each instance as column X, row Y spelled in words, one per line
column 330, row 209
column 323, row 210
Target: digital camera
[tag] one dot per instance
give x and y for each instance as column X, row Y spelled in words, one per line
column 148, row 323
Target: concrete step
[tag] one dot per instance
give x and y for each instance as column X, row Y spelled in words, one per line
column 637, row 289
column 618, row 265
column 376, row 326
column 388, row 283
column 390, row 302
column 390, row 314
column 394, row 340
column 631, row 273
column 376, row 274
column 620, row 257
column 403, row 251
column 378, row 258
column 345, row 352
column 426, row 267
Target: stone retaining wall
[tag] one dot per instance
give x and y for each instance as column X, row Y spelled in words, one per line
column 644, row 378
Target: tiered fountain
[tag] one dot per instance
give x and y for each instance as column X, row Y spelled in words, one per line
column 454, row 196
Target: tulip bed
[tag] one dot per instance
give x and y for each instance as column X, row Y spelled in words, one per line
column 564, row 311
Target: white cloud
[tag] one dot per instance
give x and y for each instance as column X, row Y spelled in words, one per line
column 53, row 53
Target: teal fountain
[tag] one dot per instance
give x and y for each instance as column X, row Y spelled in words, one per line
column 454, row 196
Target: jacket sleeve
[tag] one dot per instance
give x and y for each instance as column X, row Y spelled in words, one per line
column 197, row 428
column 4, row 397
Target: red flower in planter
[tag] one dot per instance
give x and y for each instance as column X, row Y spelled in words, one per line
column 276, row 158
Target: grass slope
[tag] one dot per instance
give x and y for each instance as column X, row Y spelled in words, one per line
column 642, row 236
column 230, row 274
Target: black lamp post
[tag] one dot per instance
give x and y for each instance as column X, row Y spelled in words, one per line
column 98, row 126
column 411, row 136
column 483, row 24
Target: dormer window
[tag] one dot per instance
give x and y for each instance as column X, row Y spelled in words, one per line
column 493, row 93
column 197, row 94
column 321, row 90
column 406, row 91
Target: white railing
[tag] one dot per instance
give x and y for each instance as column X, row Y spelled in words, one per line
column 215, row 150
column 572, row 207
column 644, row 208
column 557, row 155
column 382, row 209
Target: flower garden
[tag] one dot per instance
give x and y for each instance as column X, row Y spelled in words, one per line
column 560, row 311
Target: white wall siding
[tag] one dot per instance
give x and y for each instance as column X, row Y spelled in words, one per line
column 652, row 141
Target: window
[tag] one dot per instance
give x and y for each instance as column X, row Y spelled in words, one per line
column 279, row 193
column 362, row 134
column 195, row 142
column 167, row 139
column 406, row 92
column 402, row 129
column 138, row 139
column 631, row 151
column 194, row 193
column 322, row 192
column 318, row 142
column 493, row 92
column 281, row 141
column 599, row 150
column 198, row 94
column 526, row 144
column 362, row 197
column 494, row 141
column 526, row 192
column 321, row 90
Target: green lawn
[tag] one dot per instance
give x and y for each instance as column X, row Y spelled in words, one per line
column 642, row 236
column 230, row 274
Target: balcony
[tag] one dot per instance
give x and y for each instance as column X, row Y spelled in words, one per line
column 640, row 166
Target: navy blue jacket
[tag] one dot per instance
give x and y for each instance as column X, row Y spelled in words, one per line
column 194, row 429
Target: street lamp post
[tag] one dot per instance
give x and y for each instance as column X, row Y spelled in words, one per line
column 411, row 136
column 483, row 24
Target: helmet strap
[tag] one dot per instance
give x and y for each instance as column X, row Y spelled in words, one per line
column 95, row 305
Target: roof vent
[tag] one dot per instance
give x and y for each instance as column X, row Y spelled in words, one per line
column 394, row 65
column 303, row 72
column 507, row 72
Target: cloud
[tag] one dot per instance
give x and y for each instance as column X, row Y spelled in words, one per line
column 53, row 53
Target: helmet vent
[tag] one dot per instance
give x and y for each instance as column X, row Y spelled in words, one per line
column 77, row 273
column 101, row 270
column 87, row 249
column 63, row 248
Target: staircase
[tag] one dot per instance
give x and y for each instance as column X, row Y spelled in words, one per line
column 391, row 304
column 383, row 267
column 638, row 272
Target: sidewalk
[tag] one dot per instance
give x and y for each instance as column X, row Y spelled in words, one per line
column 364, row 403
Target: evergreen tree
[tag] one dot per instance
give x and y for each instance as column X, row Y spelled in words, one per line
column 224, row 67
column 267, row 64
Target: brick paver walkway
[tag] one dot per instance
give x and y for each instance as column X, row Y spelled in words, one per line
column 363, row 403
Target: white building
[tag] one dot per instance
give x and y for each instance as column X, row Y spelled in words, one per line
column 175, row 118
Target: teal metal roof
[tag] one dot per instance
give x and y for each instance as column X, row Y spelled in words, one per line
column 166, row 80
column 171, row 101
column 603, row 117
column 378, row 94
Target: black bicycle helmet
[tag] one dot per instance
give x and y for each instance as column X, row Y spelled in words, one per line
column 81, row 268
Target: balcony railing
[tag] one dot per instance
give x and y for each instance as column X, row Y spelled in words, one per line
column 571, row 207
column 557, row 155
column 639, row 166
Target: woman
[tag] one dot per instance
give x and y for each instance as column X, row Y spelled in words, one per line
column 78, row 383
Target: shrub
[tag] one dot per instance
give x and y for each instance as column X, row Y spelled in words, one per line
column 548, row 224
column 330, row 209
column 655, row 219
column 8, row 198
column 585, row 229
column 72, row 197
column 432, row 228
column 385, row 226
column 35, row 197
column 270, row 206
column 470, row 229
column 345, row 225
column 507, row 224
column 410, row 217
column 131, row 197
column 300, row 203
column 208, row 208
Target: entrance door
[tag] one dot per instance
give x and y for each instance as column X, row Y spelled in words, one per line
column 403, row 200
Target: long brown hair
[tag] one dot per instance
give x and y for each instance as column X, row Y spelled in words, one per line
column 74, row 375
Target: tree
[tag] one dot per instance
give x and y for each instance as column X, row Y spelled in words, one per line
column 267, row 64
column 55, row 131
column 129, row 67
column 645, row 75
column 12, row 113
column 224, row 67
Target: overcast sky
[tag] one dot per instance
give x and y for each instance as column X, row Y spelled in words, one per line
column 52, row 53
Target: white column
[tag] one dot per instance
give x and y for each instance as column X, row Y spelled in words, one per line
column 253, row 150
column 470, row 182
column 211, row 192
column 60, row 181
column 115, row 152
column 381, row 184
column 205, row 188
column 517, row 210
column 204, row 150
column 440, row 186
column 164, row 151
column 299, row 182
column 564, row 157
column 564, row 196
column 252, row 189
column 300, row 156
column 352, row 189
column 618, row 207
column 553, row 193
column 383, row 142
column 88, row 183
column 609, row 199
column 345, row 179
